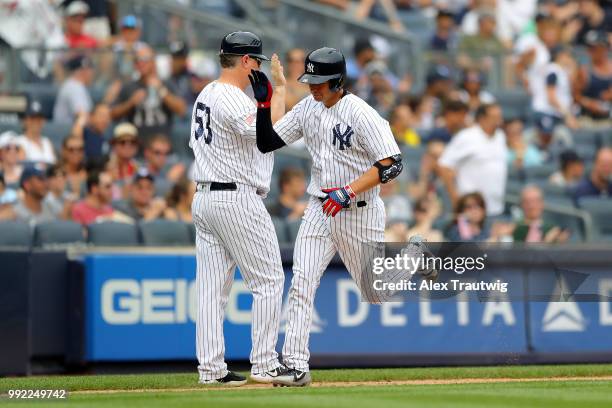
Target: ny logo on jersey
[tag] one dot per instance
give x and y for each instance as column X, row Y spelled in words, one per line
column 343, row 139
column 310, row 67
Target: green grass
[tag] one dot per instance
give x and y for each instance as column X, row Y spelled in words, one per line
column 557, row 394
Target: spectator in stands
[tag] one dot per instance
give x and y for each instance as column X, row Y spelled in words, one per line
column 124, row 48
column 470, row 220
column 594, row 82
column 364, row 54
column 445, row 36
column 472, row 92
column 179, row 200
column 475, row 160
column 427, row 181
column 32, row 208
column 290, row 203
column 599, row 181
column 73, row 165
column 381, row 95
column 532, row 228
column 58, row 198
column 398, row 210
column 8, row 196
column 403, row 125
column 180, row 77
column 93, row 130
column 142, row 203
column 521, row 154
column 551, row 88
column 73, row 97
column 591, row 16
column 425, row 211
column 10, row 152
column 550, row 138
column 156, row 153
column 454, row 119
column 571, row 172
column 482, row 48
column 96, row 204
column 97, row 23
column 147, row 102
column 74, row 22
column 439, row 84
column 37, row 148
column 122, row 164
column 532, row 49
column 295, row 91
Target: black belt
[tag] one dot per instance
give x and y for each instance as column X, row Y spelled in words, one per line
column 359, row 203
column 215, row 186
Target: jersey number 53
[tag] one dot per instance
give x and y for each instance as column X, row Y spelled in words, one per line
column 200, row 111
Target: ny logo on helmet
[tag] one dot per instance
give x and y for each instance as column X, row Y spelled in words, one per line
column 343, row 138
column 310, row 67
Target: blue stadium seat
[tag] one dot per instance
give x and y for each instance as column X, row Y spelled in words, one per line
column 58, row 233
column 599, row 208
column 591, row 137
column 15, row 234
column 112, row 233
column 543, row 171
column 514, row 103
column 165, row 233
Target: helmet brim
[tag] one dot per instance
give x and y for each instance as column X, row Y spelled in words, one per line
column 317, row 79
column 258, row 56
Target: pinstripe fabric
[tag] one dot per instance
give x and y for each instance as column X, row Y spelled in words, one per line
column 335, row 164
column 318, row 239
column 233, row 228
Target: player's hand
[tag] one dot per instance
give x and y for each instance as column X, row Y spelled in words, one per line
column 262, row 88
column 337, row 199
column 277, row 72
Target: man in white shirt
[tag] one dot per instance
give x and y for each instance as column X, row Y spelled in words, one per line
column 475, row 160
column 73, row 97
column 37, row 148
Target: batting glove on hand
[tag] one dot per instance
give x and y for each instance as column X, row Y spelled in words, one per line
column 262, row 88
column 337, row 199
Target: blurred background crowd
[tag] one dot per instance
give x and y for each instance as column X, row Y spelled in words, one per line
column 502, row 109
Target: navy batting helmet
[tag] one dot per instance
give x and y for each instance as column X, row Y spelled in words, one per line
column 322, row 65
column 242, row 43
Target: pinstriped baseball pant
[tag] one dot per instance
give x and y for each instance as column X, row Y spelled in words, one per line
column 234, row 228
column 318, row 239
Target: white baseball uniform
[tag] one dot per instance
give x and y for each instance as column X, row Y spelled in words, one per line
column 233, row 227
column 344, row 140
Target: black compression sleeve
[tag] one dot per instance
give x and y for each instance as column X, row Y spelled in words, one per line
column 267, row 139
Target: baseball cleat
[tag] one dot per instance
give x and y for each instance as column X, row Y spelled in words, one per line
column 268, row 377
column 293, row 378
column 232, row 379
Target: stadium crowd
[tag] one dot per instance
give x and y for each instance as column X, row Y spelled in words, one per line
column 124, row 120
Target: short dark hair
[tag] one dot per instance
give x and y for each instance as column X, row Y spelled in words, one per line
column 228, row 60
column 288, row 174
column 54, row 170
column 93, row 179
column 568, row 157
column 455, row 105
column 483, row 110
column 158, row 137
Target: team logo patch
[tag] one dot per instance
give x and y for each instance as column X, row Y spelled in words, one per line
column 310, row 67
column 342, row 139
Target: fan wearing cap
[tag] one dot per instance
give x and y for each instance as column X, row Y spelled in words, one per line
column 32, row 208
column 141, row 203
column 74, row 22
column 147, row 102
column 73, row 97
column 10, row 156
column 122, row 165
column 37, row 148
column 180, row 76
column 594, row 82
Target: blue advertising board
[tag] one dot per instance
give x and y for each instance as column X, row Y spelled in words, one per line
column 143, row 307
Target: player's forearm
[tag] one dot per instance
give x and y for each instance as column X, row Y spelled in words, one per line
column 369, row 179
column 277, row 104
column 266, row 137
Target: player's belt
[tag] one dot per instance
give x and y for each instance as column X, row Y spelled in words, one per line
column 215, row 186
column 358, row 204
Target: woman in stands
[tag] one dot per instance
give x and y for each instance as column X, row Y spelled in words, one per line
column 73, row 164
column 10, row 155
column 179, row 201
column 469, row 223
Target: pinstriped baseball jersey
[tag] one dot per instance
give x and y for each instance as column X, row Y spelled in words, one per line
column 344, row 140
column 223, row 138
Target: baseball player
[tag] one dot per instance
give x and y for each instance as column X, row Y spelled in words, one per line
column 232, row 224
column 353, row 151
